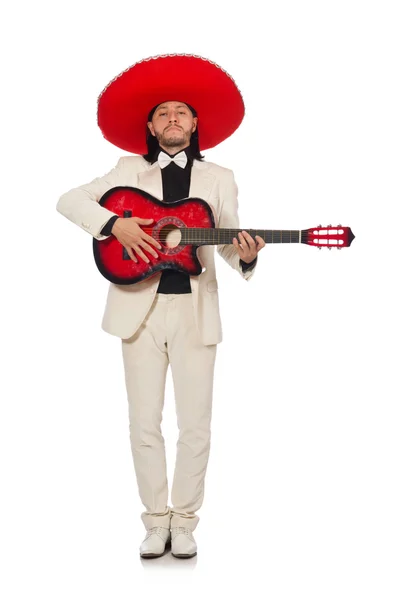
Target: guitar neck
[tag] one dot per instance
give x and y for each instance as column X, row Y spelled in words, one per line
column 214, row 236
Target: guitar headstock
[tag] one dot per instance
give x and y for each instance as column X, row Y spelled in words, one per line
column 328, row 237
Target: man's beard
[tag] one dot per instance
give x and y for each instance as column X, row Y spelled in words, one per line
column 173, row 140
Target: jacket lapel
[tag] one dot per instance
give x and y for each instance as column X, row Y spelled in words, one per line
column 150, row 181
column 200, row 184
column 201, row 181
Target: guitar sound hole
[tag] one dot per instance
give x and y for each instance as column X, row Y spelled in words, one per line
column 170, row 236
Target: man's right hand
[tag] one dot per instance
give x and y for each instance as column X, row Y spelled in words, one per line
column 133, row 238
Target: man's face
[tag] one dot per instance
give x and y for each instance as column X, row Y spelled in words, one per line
column 173, row 124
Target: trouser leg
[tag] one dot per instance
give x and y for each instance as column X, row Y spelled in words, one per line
column 192, row 366
column 145, row 360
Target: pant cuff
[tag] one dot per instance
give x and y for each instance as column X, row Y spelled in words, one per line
column 189, row 521
column 157, row 519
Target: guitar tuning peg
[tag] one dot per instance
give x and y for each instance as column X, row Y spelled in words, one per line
column 319, row 225
column 319, row 247
column 339, row 248
column 329, row 225
column 329, row 247
column 339, row 225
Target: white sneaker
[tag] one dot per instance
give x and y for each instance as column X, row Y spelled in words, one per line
column 156, row 542
column 183, row 544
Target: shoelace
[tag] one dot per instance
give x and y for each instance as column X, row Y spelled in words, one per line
column 153, row 530
column 185, row 530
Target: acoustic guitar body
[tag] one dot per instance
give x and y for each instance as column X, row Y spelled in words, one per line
column 112, row 258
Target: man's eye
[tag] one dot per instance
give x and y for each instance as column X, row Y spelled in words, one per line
column 161, row 114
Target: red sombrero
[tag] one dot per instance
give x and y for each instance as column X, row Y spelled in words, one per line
column 124, row 104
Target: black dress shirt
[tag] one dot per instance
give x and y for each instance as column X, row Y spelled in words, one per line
column 176, row 185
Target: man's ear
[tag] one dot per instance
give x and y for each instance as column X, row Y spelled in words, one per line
column 149, row 124
column 195, row 119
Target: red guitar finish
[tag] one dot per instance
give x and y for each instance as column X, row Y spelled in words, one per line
column 113, row 260
column 181, row 227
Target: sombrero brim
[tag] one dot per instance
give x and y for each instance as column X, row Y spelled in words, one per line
column 124, row 104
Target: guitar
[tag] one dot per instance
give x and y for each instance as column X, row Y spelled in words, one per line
column 181, row 227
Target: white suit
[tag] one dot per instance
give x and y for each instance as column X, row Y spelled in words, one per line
column 161, row 329
column 127, row 305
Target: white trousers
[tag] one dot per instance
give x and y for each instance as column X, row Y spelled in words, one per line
column 169, row 335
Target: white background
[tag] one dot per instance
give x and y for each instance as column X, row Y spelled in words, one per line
column 300, row 491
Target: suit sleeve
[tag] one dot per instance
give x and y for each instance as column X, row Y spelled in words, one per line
column 80, row 205
column 229, row 218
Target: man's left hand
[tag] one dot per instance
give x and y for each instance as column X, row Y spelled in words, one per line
column 247, row 247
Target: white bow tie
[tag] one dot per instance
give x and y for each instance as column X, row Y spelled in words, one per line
column 180, row 160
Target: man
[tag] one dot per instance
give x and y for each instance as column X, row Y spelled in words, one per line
column 154, row 109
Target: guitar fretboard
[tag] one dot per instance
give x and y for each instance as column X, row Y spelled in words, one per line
column 213, row 236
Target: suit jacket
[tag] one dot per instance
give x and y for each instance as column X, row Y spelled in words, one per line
column 127, row 305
